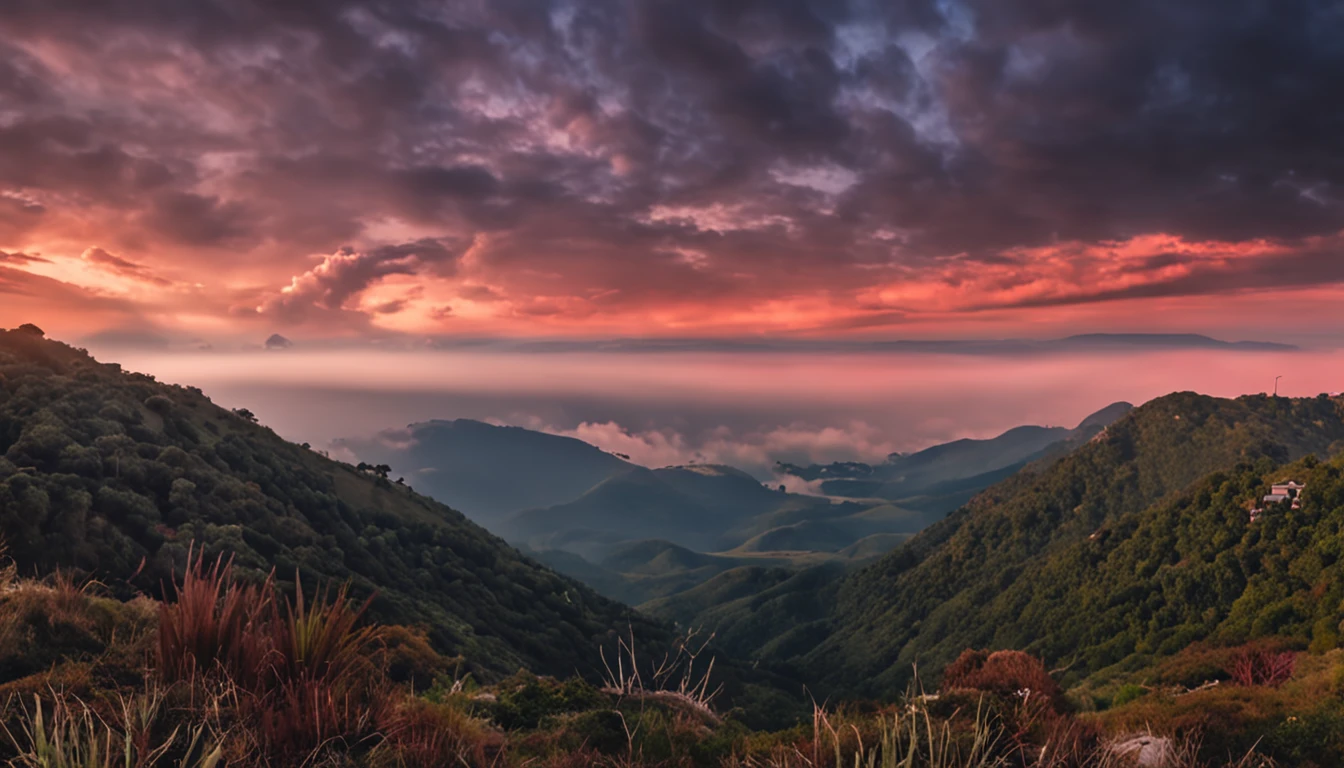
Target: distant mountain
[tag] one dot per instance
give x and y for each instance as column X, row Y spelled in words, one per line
column 490, row 472
column 1168, row 341
column 1095, row 341
column 943, row 469
column 115, row 474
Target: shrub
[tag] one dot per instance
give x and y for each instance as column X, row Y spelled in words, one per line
column 405, row 654
column 159, row 404
column 1262, row 666
column 526, row 700
column 1009, row 674
column 304, row 675
column 1126, row 694
column 422, row 734
column 300, row 719
column 321, row 641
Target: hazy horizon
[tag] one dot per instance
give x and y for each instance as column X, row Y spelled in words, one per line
column 747, row 410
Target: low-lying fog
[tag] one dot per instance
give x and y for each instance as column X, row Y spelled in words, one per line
column 748, row 409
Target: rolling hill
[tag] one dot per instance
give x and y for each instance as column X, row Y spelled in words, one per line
column 489, row 472
column 118, row 475
column 694, row 507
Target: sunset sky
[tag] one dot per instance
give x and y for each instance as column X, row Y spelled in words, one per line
column 214, row 172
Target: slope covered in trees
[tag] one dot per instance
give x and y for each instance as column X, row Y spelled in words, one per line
column 118, row 475
column 996, row 572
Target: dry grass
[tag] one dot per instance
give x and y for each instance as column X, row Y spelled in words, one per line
column 64, row 732
column 680, row 677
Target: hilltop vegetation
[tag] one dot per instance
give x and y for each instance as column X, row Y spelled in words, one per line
column 114, row 474
column 991, row 574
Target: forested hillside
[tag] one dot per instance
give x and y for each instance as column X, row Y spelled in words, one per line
column 1191, row 568
column 1001, row 571
column 117, row 475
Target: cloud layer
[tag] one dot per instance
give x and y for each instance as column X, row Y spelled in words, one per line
column 335, row 167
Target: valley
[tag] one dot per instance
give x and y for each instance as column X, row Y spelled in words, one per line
column 1117, row 559
column 637, row 534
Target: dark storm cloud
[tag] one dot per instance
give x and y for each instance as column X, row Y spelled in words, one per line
column 613, row 154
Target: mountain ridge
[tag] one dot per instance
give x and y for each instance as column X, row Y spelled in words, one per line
column 118, row 474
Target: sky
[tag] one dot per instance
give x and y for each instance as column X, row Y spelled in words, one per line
column 355, row 173
column 670, row 227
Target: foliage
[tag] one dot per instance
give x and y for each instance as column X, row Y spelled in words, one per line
column 68, row 734
column 325, row 707
column 1003, row 673
column 215, row 625
column 1262, row 667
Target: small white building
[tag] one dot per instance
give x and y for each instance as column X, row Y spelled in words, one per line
column 1290, row 491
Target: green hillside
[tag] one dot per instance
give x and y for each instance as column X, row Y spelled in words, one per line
column 705, row 508
column 115, row 474
column 1191, row 568
column 806, row 536
column 975, row 579
column 770, row 614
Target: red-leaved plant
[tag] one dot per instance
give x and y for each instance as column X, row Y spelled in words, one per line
column 302, row 670
column 1262, row 666
column 214, row 626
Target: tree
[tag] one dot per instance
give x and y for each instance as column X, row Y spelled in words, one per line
column 245, row 414
column 159, row 404
column 29, row 328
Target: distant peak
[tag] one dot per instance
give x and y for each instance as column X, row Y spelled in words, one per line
column 276, row 341
column 1106, row 416
column 1169, row 340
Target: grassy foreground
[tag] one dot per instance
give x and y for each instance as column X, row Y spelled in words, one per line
column 230, row 672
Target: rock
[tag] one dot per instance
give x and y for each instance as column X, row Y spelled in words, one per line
column 1146, row 750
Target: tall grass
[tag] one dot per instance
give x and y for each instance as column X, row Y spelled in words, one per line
column 215, row 626
column 68, row 734
column 681, row 674
column 910, row 737
column 321, row 641
column 299, row 672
